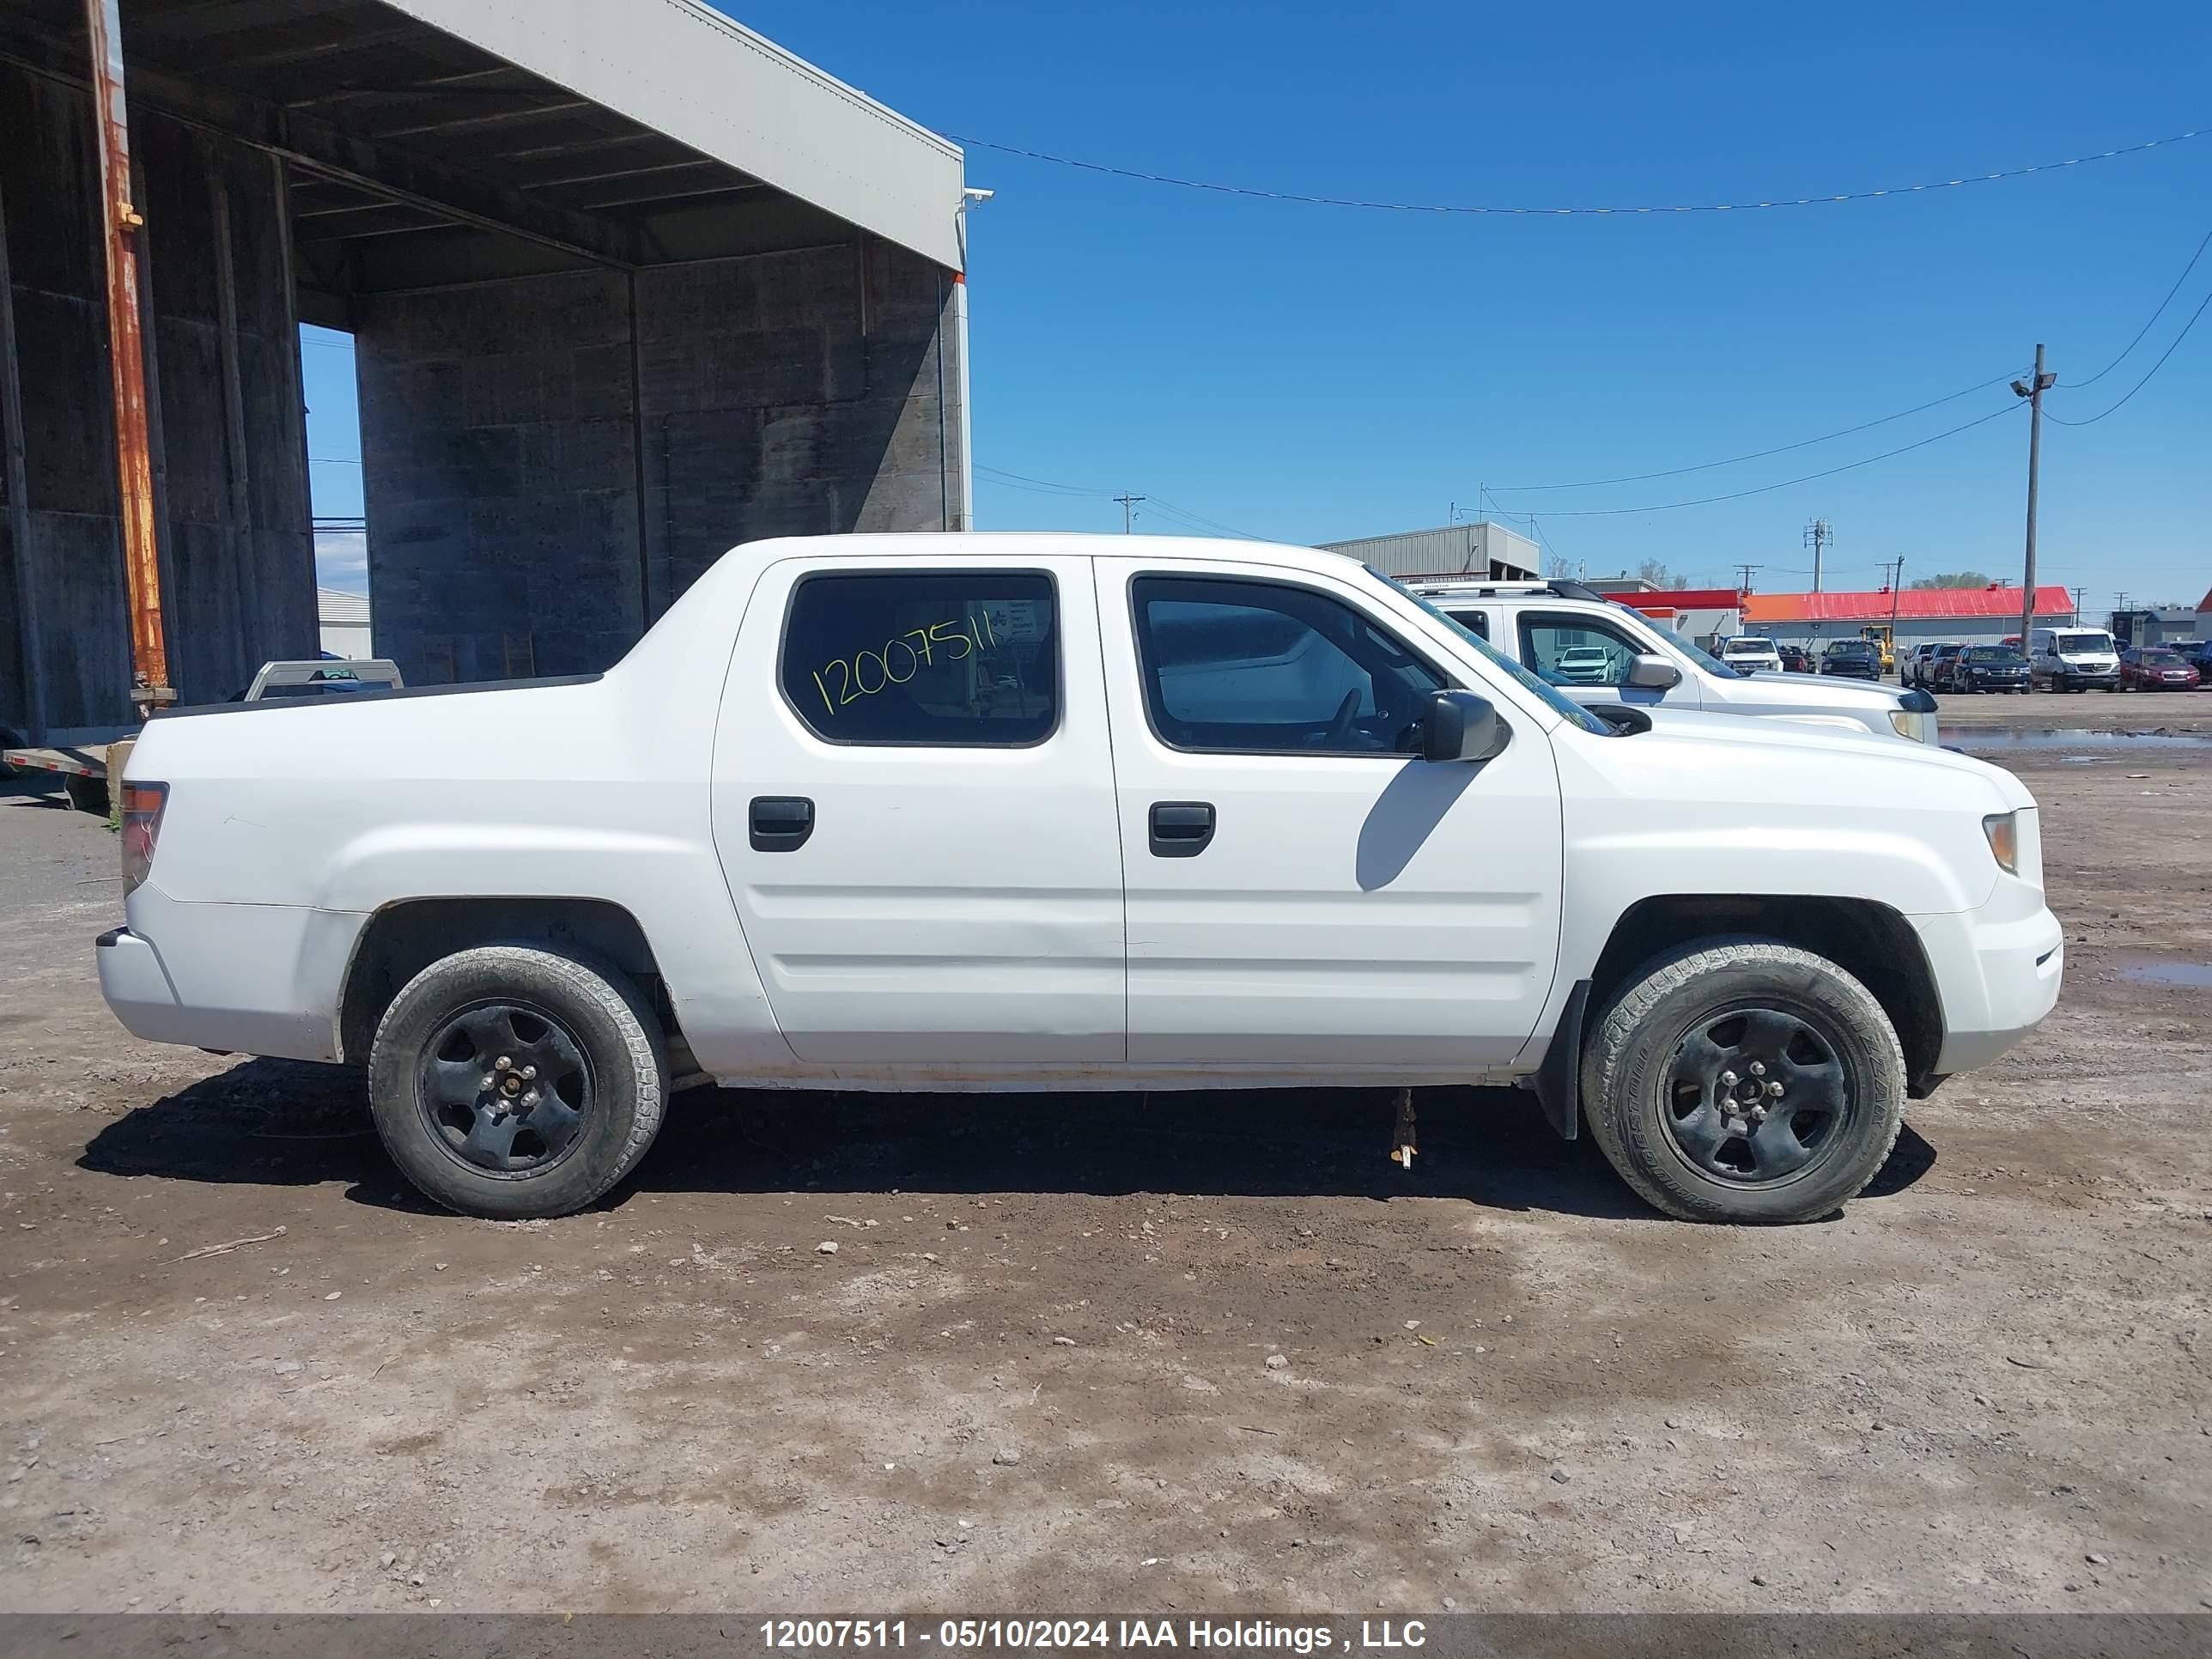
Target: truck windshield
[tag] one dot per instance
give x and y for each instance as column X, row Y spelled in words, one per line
column 2089, row 643
column 1689, row 648
column 1573, row 712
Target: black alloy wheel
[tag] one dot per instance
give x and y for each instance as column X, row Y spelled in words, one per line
column 506, row 1088
column 1756, row 1094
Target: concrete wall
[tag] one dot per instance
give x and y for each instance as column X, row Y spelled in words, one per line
column 229, row 442
column 548, row 461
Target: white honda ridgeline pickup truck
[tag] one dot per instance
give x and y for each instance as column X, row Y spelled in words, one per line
column 1048, row 811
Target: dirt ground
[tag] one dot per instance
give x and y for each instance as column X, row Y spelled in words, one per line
column 1040, row 1370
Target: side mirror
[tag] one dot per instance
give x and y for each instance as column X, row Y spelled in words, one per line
column 1652, row 672
column 1458, row 726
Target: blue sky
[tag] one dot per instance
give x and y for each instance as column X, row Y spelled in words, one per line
column 1309, row 373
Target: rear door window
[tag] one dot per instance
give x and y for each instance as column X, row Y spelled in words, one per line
column 928, row 657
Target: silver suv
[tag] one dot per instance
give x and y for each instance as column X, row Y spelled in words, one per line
column 1558, row 631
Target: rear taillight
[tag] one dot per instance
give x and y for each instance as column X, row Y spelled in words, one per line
column 142, row 826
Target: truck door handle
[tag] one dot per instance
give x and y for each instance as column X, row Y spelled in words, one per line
column 1181, row 828
column 781, row 823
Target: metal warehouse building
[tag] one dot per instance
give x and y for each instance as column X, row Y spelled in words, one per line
column 1969, row 616
column 628, row 283
column 1485, row 551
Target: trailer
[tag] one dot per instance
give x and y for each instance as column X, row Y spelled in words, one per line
column 86, row 768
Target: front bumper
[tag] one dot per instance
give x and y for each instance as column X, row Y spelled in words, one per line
column 1998, row 971
column 2064, row 675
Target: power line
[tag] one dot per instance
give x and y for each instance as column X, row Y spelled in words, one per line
column 2155, row 316
column 1219, row 189
column 1199, row 520
column 1759, row 454
column 1038, row 486
column 1737, row 496
column 2145, row 381
column 1054, row 486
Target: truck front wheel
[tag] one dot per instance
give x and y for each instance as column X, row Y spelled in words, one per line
column 1744, row 1080
column 510, row 1082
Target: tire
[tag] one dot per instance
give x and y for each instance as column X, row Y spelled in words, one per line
column 578, row 1126
column 1652, row 1123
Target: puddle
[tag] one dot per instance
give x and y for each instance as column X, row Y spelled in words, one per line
column 2196, row 975
column 1970, row 737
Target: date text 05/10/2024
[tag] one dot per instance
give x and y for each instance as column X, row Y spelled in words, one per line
column 807, row 1635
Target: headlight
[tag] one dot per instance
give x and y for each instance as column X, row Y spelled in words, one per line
column 2004, row 830
column 1917, row 725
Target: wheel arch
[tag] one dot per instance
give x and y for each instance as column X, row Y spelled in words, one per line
column 1870, row 941
column 402, row 939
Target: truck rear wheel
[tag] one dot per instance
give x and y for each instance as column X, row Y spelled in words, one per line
column 1744, row 1080
column 510, row 1082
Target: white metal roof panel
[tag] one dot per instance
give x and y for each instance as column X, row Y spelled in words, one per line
column 684, row 69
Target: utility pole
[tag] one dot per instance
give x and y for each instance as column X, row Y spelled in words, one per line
column 1896, row 582
column 2078, row 593
column 2033, row 391
column 1128, row 511
column 126, row 357
column 1818, row 535
column 1744, row 575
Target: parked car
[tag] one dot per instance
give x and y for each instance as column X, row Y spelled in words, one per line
column 2155, row 668
column 1912, row 668
column 1852, row 659
column 1581, row 665
column 1930, row 664
column 2200, row 658
column 1536, row 624
column 1796, row 660
column 1989, row 668
column 2074, row 659
column 1751, row 653
column 1202, row 814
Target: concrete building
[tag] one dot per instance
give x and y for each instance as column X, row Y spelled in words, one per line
column 629, row 284
column 1489, row 551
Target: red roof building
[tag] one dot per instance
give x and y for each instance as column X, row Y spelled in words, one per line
column 1662, row 601
column 1909, row 604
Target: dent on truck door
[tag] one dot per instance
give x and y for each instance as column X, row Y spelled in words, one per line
column 1350, row 907
column 913, row 807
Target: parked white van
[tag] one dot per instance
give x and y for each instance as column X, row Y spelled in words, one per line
column 2074, row 659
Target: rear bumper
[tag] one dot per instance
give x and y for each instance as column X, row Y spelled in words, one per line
column 136, row 988
column 253, row 979
column 1998, row 970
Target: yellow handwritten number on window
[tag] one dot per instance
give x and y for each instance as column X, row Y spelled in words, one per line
column 971, row 636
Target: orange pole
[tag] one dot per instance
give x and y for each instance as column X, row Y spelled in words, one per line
column 126, row 355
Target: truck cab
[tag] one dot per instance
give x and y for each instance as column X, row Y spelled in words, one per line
column 1556, row 629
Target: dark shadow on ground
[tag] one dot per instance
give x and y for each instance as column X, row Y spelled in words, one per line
column 277, row 1122
column 1909, row 1159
